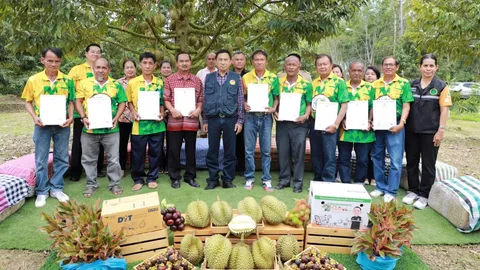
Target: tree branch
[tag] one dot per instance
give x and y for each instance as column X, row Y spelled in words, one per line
column 159, row 38
column 267, row 11
column 120, row 45
column 106, row 8
column 130, row 32
column 200, row 32
column 248, row 17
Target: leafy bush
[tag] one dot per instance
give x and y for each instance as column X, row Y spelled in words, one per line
column 461, row 105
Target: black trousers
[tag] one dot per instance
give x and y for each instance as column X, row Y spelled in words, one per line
column 175, row 140
column 240, row 152
column 139, row 145
column 125, row 131
column 416, row 145
column 219, row 128
column 76, row 159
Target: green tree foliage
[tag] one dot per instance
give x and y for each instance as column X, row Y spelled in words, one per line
column 169, row 26
column 446, row 27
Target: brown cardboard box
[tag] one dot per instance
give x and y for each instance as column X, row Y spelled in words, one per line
column 136, row 214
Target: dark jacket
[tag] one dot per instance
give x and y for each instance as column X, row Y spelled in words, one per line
column 424, row 116
column 221, row 99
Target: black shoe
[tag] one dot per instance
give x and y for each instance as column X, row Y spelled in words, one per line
column 75, row 178
column 297, row 190
column 175, row 184
column 212, row 185
column 228, row 185
column 282, row 186
column 101, row 174
column 192, row 183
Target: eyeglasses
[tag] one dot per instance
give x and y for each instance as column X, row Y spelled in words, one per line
column 389, row 65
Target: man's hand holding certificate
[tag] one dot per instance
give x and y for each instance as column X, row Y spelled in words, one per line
column 184, row 100
column 53, row 110
column 357, row 115
column 326, row 114
column 149, row 105
column 384, row 114
column 289, row 106
column 257, row 97
column 99, row 112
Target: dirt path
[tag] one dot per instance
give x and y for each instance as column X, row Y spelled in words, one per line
column 21, row 259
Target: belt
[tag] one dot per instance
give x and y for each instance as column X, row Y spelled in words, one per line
column 258, row 113
column 221, row 115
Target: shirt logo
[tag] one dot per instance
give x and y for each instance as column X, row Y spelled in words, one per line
column 433, row 92
column 232, row 82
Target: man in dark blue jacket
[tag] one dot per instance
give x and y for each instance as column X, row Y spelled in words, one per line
column 222, row 118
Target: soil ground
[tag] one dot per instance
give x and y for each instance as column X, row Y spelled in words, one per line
column 460, row 148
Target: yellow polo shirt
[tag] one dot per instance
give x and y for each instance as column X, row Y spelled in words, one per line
column 78, row 73
column 268, row 78
column 39, row 84
column 145, row 127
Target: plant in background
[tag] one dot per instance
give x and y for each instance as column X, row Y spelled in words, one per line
column 79, row 234
column 390, row 229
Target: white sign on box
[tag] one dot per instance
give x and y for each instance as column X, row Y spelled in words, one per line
column 338, row 205
column 384, row 114
column 99, row 111
column 184, row 100
column 53, row 110
column 148, row 105
column 257, row 95
column 357, row 115
column 289, row 106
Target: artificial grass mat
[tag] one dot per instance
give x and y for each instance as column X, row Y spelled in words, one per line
column 21, row 230
column 408, row 261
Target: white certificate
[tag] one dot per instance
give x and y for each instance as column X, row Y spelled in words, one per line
column 357, row 115
column 384, row 114
column 257, row 97
column 99, row 111
column 289, row 106
column 325, row 115
column 184, row 100
column 148, row 105
column 53, row 110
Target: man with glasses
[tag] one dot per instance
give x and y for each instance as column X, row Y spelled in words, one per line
column 392, row 87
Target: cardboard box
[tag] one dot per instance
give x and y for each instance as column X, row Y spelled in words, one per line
column 136, row 214
column 338, row 205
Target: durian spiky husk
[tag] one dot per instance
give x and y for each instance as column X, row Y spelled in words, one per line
column 242, row 224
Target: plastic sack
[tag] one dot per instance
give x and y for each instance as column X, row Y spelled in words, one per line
column 379, row 264
column 109, row 264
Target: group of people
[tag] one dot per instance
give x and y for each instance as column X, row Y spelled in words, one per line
column 222, row 111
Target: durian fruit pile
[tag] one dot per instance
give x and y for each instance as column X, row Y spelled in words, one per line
column 312, row 258
column 221, row 254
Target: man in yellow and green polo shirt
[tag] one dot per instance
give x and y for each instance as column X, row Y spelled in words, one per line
column 79, row 73
column 259, row 122
column 109, row 138
column 328, row 87
column 360, row 140
column 49, row 82
column 146, row 132
column 393, row 87
column 291, row 136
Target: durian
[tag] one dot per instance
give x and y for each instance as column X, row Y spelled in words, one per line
column 197, row 214
column 274, row 210
column 249, row 206
column 191, row 248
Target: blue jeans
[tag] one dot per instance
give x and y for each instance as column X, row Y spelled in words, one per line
column 263, row 126
column 322, row 149
column 221, row 128
column 394, row 143
column 362, row 151
column 41, row 139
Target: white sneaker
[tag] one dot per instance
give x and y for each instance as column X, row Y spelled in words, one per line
column 41, row 200
column 376, row 193
column 61, row 197
column 366, row 182
column 388, row 198
column 421, row 203
column 410, row 198
column 249, row 184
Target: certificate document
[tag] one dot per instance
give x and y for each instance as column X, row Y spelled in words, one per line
column 357, row 115
column 53, row 110
column 384, row 114
column 325, row 115
column 100, row 111
column 289, row 106
column 257, row 97
column 148, row 105
column 184, row 100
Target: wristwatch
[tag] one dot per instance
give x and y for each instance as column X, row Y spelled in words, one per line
column 84, row 118
column 336, row 126
column 441, row 127
column 404, row 121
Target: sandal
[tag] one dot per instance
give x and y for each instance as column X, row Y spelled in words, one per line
column 152, row 185
column 116, row 190
column 89, row 191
